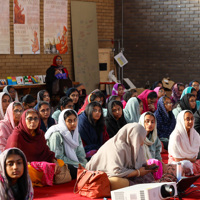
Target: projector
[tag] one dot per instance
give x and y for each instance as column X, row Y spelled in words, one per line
column 150, row 191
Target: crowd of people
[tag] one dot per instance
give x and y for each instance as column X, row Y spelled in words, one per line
column 117, row 135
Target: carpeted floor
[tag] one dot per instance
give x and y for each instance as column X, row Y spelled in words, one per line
column 65, row 191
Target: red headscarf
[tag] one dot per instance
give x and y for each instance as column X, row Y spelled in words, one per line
column 34, row 147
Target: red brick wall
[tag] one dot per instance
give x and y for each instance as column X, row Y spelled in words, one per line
column 16, row 65
column 161, row 38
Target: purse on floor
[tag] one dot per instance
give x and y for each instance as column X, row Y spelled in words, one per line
column 64, row 176
column 93, row 184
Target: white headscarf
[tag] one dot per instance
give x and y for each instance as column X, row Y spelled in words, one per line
column 71, row 141
column 180, row 146
column 1, row 107
column 5, row 89
column 148, row 142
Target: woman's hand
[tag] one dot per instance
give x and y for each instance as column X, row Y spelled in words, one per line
column 57, row 71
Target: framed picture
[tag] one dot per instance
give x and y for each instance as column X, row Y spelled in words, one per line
column 121, row 60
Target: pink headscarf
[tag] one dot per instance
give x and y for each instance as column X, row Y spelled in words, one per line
column 156, row 90
column 6, row 126
column 143, row 97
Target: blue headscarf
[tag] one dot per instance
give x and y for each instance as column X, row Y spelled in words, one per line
column 165, row 121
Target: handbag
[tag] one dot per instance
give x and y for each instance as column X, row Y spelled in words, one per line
column 93, row 184
column 64, row 176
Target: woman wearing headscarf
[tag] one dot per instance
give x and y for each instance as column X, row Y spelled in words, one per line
column 165, row 120
column 10, row 121
column 188, row 102
column 65, row 141
column 9, row 89
column 115, row 118
column 132, row 110
column 5, row 100
column 149, row 100
column 177, row 90
column 92, row 128
column 42, row 95
column 14, row 186
column 184, row 143
column 74, row 95
column 195, row 84
column 28, row 101
column 124, row 164
column 118, row 89
column 55, row 72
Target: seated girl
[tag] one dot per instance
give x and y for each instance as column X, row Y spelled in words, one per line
column 10, row 121
column 118, row 89
column 195, row 84
column 165, row 120
column 187, row 102
column 5, row 100
column 14, row 185
column 159, row 91
column 42, row 95
column 45, row 116
column 74, row 95
column 184, row 142
column 177, row 91
column 65, row 103
column 133, row 110
column 115, row 118
column 122, row 158
column 92, row 128
column 65, row 141
column 149, row 100
column 28, row 101
column 9, row 89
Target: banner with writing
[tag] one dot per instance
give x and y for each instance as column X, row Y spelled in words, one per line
column 26, row 17
column 55, row 26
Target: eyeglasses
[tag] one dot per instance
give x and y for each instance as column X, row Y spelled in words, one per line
column 30, row 119
column 70, row 121
column 18, row 111
column 195, row 85
column 74, row 95
column 168, row 103
column 45, row 110
column 58, row 59
column 96, row 111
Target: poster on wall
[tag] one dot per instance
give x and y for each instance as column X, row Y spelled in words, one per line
column 55, row 27
column 26, row 18
column 4, row 27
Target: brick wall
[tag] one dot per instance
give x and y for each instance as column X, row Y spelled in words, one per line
column 16, row 65
column 161, row 38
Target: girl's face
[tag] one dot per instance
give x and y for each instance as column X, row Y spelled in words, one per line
column 17, row 113
column 180, row 89
column 70, row 105
column 5, row 102
column 74, row 96
column 44, row 111
column 196, row 86
column 71, row 122
column 149, row 123
column 32, row 121
column 12, row 92
column 117, row 111
column 195, row 94
column 14, row 167
column 192, row 102
column 161, row 93
column 188, row 120
column 46, row 97
column 141, row 107
column 96, row 114
column 58, row 61
column 120, row 91
column 168, row 104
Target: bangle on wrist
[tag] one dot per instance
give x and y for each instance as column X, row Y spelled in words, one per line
column 138, row 171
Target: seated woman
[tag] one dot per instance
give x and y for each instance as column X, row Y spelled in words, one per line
column 133, row 110
column 28, row 137
column 149, row 100
column 177, row 91
column 165, row 120
column 184, row 142
column 28, row 101
column 195, row 84
column 65, row 103
column 122, row 158
column 187, row 102
column 73, row 94
column 115, row 118
column 128, row 95
column 42, row 95
column 10, row 121
column 5, row 100
column 118, row 89
column 45, row 116
column 14, row 186
column 9, row 89
column 92, row 129
column 65, row 141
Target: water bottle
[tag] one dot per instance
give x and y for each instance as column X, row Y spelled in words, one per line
column 178, row 171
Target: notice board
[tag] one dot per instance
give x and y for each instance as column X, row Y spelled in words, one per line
column 85, row 44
